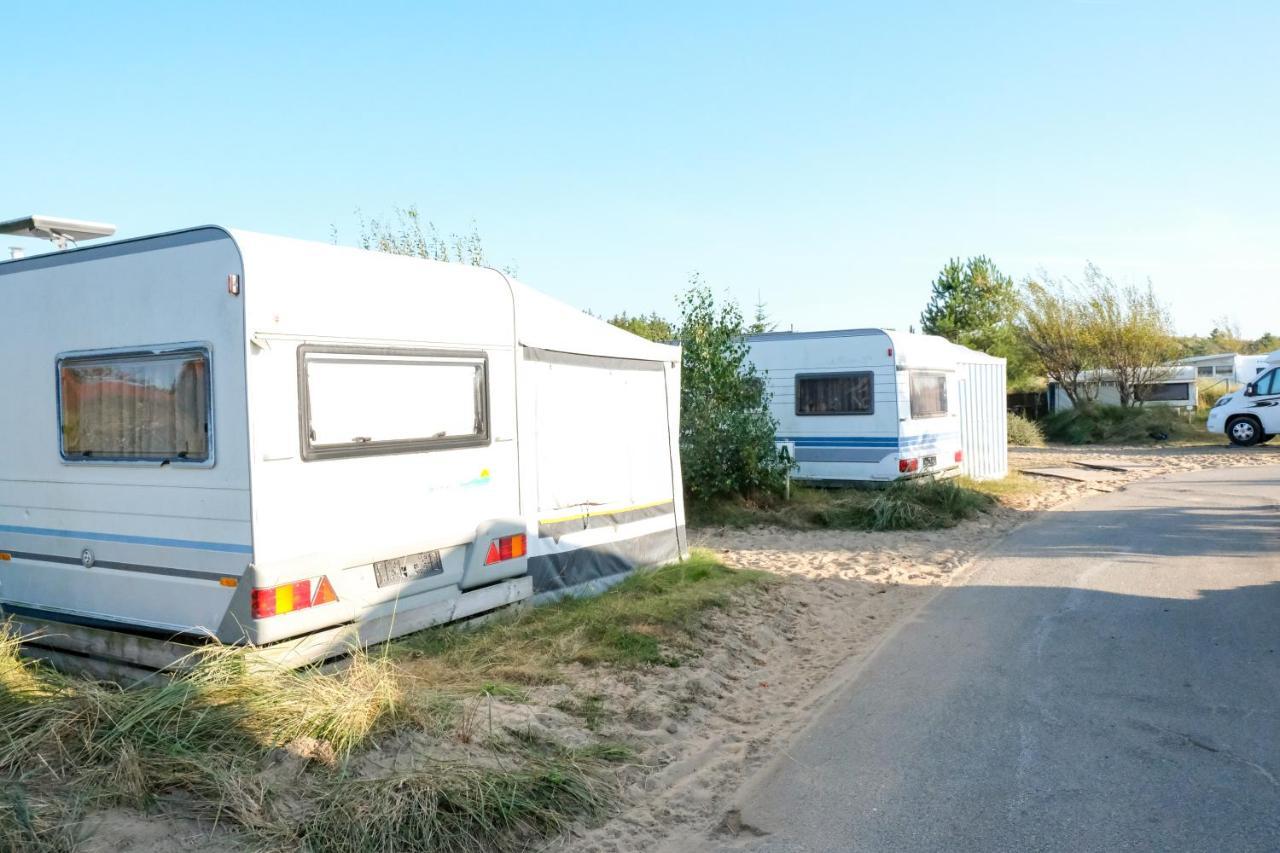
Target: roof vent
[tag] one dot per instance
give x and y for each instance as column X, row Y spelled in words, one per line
column 55, row 230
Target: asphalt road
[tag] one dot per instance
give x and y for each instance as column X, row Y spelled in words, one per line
column 1107, row 679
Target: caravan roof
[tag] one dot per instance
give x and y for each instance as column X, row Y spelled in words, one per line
column 912, row 349
column 303, row 269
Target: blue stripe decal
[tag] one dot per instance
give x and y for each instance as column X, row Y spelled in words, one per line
column 885, row 442
column 225, row 547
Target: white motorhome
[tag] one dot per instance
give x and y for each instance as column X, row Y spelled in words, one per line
column 875, row 405
column 1251, row 415
column 1227, row 368
column 213, row 433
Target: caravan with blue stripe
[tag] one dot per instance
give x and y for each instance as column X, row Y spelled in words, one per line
column 863, row 405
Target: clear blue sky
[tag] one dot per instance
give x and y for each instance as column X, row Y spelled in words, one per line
column 829, row 157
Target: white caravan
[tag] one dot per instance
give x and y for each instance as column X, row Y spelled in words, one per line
column 1176, row 389
column 1252, row 415
column 213, row 433
column 859, row 405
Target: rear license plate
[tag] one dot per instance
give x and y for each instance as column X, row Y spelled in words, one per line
column 930, row 461
column 405, row 569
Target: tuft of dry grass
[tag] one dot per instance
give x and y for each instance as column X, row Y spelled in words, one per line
column 196, row 732
column 454, row 808
column 290, row 757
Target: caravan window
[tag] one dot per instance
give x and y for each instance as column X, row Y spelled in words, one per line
column 928, row 394
column 1164, row 392
column 135, row 406
column 835, row 393
column 369, row 400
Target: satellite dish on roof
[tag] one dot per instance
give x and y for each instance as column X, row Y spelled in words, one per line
column 57, row 231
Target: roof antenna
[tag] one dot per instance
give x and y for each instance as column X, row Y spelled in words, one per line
column 55, row 230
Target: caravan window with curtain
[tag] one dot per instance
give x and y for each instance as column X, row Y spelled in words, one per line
column 928, row 394
column 835, row 393
column 359, row 401
column 136, row 407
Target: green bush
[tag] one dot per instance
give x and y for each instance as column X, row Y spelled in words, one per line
column 1092, row 423
column 726, row 429
column 1024, row 432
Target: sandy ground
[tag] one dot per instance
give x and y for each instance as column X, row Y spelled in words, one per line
column 770, row 663
column 701, row 729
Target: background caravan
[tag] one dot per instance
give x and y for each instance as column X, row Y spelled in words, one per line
column 260, row 439
column 874, row 405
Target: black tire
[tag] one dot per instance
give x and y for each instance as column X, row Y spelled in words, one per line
column 1244, row 432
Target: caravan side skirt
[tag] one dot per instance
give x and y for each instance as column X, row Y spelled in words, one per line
column 593, row 568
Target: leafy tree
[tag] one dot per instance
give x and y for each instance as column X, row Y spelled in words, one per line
column 1132, row 332
column 650, row 326
column 1268, row 343
column 727, row 432
column 1225, row 337
column 1098, row 330
column 974, row 304
column 1054, row 325
column 408, row 233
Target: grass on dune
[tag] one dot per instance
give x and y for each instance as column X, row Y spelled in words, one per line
column 648, row 619
column 903, row 505
column 206, row 740
column 1012, row 485
column 1095, row 423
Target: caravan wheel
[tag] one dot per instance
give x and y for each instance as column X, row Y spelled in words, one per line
column 1244, row 432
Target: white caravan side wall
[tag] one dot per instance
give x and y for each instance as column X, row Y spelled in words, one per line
column 1109, row 395
column 160, row 538
column 336, row 516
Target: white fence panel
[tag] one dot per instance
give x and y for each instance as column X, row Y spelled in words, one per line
column 984, row 428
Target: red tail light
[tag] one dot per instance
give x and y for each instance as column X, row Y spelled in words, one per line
column 288, row 597
column 908, row 466
column 959, row 455
column 506, row 548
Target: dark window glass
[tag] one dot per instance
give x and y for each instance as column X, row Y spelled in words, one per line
column 136, row 407
column 835, row 394
column 1164, row 392
column 928, row 394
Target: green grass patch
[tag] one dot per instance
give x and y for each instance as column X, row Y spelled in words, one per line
column 1092, row 423
column 903, row 505
column 1013, row 485
column 651, row 618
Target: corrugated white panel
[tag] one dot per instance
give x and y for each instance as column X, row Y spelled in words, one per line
column 983, row 424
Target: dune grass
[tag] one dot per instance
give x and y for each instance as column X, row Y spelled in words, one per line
column 651, row 618
column 1013, row 485
column 903, row 505
column 1094, row 423
column 205, row 742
